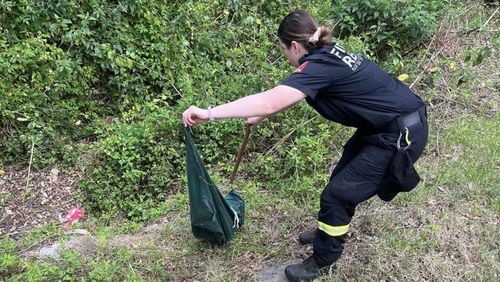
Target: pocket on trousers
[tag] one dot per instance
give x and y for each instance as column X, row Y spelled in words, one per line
column 401, row 176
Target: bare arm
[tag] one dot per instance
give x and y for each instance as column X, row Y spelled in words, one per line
column 257, row 105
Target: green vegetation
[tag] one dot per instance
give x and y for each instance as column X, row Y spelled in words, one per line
column 389, row 27
column 111, row 79
column 100, row 86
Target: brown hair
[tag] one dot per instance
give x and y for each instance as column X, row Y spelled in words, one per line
column 300, row 26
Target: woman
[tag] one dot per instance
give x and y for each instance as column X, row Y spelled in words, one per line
column 351, row 90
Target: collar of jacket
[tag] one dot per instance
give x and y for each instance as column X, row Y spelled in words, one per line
column 323, row 50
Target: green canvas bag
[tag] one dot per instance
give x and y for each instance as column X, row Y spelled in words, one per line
column 214, row 218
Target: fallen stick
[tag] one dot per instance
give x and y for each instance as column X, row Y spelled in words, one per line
column 29, row 167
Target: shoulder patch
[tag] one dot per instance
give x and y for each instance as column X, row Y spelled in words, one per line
column 301, row 67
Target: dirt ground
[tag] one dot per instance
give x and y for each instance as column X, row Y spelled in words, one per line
column 48, row 197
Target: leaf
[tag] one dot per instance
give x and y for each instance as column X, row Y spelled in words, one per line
column 467, row 56
column 434, row 69
column 481, row 56
column 403, row 77
column 453, row 67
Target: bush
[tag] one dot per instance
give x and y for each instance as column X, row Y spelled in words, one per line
column 116, row 76
column 46, row 99
column 135, row 164
column 67, row 66
column 139, row 157
column 388, row 26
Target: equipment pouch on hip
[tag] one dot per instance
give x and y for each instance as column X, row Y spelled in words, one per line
column 401, row 176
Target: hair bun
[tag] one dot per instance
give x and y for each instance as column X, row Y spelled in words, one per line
column 316, row 36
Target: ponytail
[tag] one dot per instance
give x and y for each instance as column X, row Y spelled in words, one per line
column 322, row 37
column 301, row 27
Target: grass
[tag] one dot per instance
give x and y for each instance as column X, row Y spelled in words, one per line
column 447, row 229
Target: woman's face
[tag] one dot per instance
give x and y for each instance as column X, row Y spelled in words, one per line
column 294, row 52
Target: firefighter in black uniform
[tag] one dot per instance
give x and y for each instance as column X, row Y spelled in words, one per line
column 349, row 89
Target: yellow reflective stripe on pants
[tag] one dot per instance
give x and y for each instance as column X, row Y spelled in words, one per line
column 333, row 230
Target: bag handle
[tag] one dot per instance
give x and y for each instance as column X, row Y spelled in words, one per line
column 240, row 153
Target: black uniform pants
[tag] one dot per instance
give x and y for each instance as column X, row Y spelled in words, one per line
column 356, row 178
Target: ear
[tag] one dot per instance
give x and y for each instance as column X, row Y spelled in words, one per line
column 295, row 46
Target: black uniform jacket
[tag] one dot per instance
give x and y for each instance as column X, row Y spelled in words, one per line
column 350, row 89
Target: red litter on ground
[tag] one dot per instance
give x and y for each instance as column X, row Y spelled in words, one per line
column 72, row 217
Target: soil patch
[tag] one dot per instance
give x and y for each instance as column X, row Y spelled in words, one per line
column 49, row 196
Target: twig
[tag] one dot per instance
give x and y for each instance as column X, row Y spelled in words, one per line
column 423, row 71
column 14, row 233
column 4, row 217
column 176, row 90
column 415, row 48
column 29, row 167
column 335, row 25
column 427, row 50
column 432, row 40
column 486, row 23
column 467, row 10
column 438, row 148
column 40, row 242
column 288, row 135
column 448, row 88
column 276, row 60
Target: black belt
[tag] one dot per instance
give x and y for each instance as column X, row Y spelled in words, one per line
column 406, row 121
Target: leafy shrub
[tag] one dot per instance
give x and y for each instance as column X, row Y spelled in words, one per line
column 46, row 95
column 139, row 158
column 66, row 66
column 118, row 74
column 134, row 167
column 388, row 26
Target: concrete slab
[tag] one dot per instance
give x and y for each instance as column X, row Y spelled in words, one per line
column 274, row 273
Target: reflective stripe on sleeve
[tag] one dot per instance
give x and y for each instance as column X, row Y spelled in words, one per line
column 333, row 230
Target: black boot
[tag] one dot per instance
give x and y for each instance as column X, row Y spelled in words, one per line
column 307, row 237
column 305, row 271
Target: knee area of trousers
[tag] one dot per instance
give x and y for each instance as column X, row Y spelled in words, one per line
column 332, row 194
column 328, row 198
